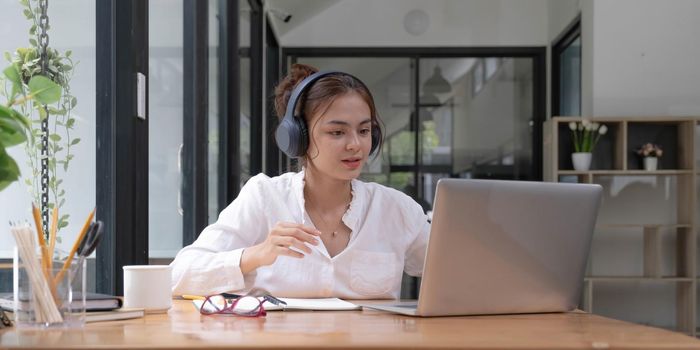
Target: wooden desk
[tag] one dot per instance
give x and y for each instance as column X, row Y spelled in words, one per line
column 183, row 327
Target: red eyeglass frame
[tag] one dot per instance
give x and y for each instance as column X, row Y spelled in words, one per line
column 228, row 309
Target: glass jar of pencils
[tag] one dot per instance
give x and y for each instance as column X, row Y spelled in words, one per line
column 49, row 289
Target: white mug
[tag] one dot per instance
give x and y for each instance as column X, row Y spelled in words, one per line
column 147, row 287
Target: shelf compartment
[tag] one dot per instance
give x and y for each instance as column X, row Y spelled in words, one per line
column 607, row 153
column 672, row 136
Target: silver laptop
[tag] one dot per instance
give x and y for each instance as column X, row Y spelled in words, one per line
column 505, row 247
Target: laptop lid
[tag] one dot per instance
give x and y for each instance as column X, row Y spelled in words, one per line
column 507, row 247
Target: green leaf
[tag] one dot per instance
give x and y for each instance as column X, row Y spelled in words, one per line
column 32, row 30
column 75, row 141
column 33, row 42
column 28, row 14
column 12, row 73
column 70, row 122
column 42, row 114
column 11, row 132
column 9, row 171
column 55, row 137
column 44, row 90
column 20, row 118
column 8, row 57
column 55, row 111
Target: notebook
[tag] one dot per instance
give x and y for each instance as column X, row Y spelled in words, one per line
column 101, row 316
column 93, row 302
column 323, row 304
column 117, row 314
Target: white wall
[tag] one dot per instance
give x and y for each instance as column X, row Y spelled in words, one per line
column 639, row 58
column 451, row 23
column 560, row 14
column 645, row 58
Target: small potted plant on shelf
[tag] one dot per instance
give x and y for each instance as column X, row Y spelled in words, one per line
column 651, row 153
column 586, row 135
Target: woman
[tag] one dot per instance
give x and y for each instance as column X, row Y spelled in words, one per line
column 319, row 232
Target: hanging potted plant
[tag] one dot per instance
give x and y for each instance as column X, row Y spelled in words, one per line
column 39, row 100
column 586, row 136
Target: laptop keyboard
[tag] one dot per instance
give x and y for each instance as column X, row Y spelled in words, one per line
column 407, row 306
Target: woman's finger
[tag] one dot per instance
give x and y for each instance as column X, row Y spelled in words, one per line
column 289, row 252
column 308, row 229
column 298, row 234
column 289, row 241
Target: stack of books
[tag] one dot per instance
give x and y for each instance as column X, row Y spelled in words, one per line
column 98, row 307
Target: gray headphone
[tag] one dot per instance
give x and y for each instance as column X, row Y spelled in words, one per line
column 292, row 134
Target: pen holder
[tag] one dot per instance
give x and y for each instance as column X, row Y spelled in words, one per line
column 41, row 301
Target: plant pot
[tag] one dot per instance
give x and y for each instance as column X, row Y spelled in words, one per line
column 581, row 160
column 651, row 163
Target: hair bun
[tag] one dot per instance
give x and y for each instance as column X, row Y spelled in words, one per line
column 284, row 89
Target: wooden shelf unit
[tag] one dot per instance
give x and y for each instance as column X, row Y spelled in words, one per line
column 615, row 156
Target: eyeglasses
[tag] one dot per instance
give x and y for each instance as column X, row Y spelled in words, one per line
column 248, row 305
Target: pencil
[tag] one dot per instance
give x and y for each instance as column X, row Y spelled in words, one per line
column 52, row 234
column 45, row 259
column 76, row 245
column 192, row 297
column 42, row 240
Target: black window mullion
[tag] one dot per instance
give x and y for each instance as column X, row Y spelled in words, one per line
column 272, row 154
column 256, row 87
column 415, row 125
column 229, row 104
column 122, row 139
column 195, row 119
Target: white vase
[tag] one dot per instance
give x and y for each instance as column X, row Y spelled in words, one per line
column 651, row 163
column 581, row 160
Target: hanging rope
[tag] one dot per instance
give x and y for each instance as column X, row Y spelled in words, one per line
column 43, row 59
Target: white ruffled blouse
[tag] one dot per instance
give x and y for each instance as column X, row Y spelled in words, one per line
column 389, row 235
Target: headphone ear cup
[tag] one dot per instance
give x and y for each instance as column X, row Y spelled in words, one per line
column 375, row 139
column 303, row 135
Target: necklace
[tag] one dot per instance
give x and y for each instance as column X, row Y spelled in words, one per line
column 337, row 227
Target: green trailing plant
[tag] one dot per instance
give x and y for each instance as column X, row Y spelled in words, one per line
column 14, row 126
column 22, row 76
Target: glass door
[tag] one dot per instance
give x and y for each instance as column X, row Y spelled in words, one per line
column 180, row 65
column 165, row 131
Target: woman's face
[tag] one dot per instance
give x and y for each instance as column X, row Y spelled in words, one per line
column 341, row 138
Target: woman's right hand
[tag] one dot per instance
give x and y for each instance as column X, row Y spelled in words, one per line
column 281, row 238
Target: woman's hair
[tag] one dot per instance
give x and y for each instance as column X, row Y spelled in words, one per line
column 321, row 94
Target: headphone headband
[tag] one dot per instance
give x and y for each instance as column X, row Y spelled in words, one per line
column 301, row 87
column 292, row 134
